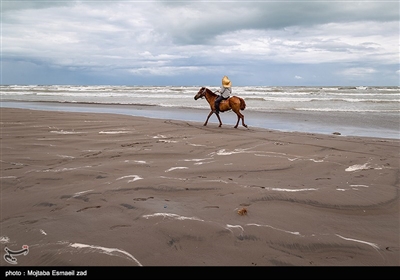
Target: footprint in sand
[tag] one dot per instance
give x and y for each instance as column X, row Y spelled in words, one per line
column 127, row 206
column 142, row 198
column 89, row 207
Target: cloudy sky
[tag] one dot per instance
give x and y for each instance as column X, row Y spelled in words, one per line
column 197, row 42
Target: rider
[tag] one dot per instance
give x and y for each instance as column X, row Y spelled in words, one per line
column 225, row 92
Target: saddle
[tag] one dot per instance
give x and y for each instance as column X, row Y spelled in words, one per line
column 225, row 100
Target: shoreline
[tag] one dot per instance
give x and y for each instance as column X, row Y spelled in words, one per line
column 345, row 124
column 91, row 189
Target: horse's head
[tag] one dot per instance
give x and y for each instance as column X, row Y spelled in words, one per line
column 201, row 93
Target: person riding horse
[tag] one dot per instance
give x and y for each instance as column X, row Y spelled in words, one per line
column 225, row 92
column 234, row 103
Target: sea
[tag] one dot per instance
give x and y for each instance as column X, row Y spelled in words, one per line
column 366, row 111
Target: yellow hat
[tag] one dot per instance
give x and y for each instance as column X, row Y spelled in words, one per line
column 226, row 82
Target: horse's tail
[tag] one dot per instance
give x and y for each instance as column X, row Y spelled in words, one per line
column 242, row 104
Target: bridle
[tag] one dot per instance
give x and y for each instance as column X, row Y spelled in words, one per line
column 203, row 92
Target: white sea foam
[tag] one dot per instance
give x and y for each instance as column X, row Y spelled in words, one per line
column 258, row 225
column 80, row 193
column 223, row 152
column 167, row 141
column 375, row 246
column 235, row 226
column 353, row 187
column 357, row 167
column 4, row 239
column 271, row 154
column 63, row 169
column 135, row 178
column 316, row 160
column 218, row 181
column 265, row 98
column 65, row 132
column 173, row 178
column 197, row 159
column 114, row 132
column 359, row 186
column 205, row 162
column 13, row 163
column 140, row 161
column 197, row 145
column 174, row 168
column 65, row 156
column 159, row 136
column 104, row 250
column 173, row 216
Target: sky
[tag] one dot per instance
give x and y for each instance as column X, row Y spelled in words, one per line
column 191, row 43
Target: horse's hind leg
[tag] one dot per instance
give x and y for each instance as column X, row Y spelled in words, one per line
column 239, row 117
column 242, row 117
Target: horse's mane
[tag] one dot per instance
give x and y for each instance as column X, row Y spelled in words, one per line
column 209, row 91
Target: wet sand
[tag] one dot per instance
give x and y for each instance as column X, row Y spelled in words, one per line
column 91, row 189
column 369, row 124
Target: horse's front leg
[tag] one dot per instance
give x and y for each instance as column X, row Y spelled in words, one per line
column 220, row 122
column 209, row 115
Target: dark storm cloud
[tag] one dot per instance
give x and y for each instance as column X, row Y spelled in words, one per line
column 198, row 23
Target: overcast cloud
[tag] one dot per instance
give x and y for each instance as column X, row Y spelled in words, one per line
column 197, row 42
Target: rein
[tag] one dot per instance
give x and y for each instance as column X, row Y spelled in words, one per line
column 204, row 90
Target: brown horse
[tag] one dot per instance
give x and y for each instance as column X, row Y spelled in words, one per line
column 234, row 103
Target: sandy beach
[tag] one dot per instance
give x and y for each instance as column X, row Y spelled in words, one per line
column 91, row 189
